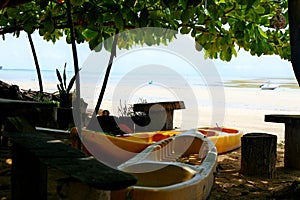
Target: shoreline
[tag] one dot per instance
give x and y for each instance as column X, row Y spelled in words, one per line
column 244, row 108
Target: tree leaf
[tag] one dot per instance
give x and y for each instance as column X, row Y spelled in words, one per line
column 89, row 34
column 71, row 84
column 185, row 30
column 28, row 27
column 77, row 2
column 49, row 25
column 118, row 19
column 260, row 10
column 65, row 76
column 43, row 4
column 185, row 16
column 183, row 3
column 144, row 17
column 262, row 33
column 3, row 20
column 58, row 75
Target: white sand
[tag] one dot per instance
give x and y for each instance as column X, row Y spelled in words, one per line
column 245, row 108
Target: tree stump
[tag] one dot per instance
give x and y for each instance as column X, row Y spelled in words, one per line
column 259, row 155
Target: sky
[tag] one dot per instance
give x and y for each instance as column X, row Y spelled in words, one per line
column 16, row 53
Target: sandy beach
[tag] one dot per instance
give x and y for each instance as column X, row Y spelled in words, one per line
column 246, row 108
column 242, row 108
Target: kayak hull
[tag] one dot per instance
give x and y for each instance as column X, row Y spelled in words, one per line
column 114, row 150
column 172, row 177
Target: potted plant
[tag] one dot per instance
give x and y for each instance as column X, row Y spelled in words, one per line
column 64, row 111
column 65, row 95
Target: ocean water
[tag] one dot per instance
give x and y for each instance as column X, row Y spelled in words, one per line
column 27, row 75
column 132, row 87
column 136, row 80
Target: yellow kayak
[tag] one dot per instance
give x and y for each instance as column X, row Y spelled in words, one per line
column 117, row 149
column 179, row 167
column 225, row 139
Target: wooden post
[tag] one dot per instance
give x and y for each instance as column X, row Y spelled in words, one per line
column 29, row 175
column 291, row 146
column 291, row 136
column 259, row 155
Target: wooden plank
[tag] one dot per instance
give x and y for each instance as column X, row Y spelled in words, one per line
column 16, row 107
column 56, row 133
column 43, row 150
column 163, row 112
column 92, row 172
column 171, row 105
column 292, row 119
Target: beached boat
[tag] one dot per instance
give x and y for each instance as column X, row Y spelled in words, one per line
column 179, row 167
column 117, row 149
column 225, row 139
column 268, row 86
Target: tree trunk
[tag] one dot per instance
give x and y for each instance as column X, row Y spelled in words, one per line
column 112, row 55
column 37, row 66
column 294, row 21
column 259, row 155
column 76, row 107
column 93, row 124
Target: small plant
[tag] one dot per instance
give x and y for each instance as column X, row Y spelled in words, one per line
column 124, row 110
column 142, row 100
column 127, row 110
column 64, row 89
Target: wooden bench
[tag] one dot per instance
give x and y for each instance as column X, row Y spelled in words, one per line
column 160, row 110
column 22, row 113
column 34, row 153
column 292, row 138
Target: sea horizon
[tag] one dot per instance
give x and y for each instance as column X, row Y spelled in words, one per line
column 16, row 75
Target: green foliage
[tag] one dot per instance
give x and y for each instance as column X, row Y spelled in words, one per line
column 219, row 27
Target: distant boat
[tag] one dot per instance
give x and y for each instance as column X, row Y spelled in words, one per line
column 268, row 86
